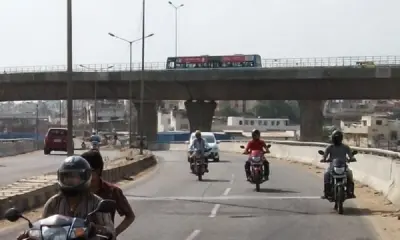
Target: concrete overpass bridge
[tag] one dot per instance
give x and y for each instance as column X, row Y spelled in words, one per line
column 344, row 79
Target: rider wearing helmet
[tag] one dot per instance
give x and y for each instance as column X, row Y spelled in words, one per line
column 338, row 150
column 200, row 144
column 75, row 198
column 95, row 137
column 256, row 144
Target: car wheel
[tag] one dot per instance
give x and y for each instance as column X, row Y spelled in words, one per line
column 216, row 159
column 46, row 151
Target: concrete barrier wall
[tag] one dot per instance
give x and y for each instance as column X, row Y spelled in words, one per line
column 32, row 193
column 379, row 169
column 12, row 147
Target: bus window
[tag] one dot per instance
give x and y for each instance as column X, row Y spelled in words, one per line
column 257, row 61
column 171, row 65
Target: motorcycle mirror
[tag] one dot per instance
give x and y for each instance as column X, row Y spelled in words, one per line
column 241, row 146
column 320, row 152
column 218, row 142
column 269, row 145
column 13, row 214
column 354, row 152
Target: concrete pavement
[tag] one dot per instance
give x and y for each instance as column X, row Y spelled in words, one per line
column 170, row 204
column 35, row 163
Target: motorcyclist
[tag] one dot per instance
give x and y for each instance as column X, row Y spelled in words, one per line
column 199, row 143
column 256, row 144
column 75, row 198
column 341, row 151
column 95, row 137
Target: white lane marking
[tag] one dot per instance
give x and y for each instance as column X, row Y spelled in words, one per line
column 193, row 235
column 232, row 179
column 231, row 197
column 226, row 192
column 214, row 210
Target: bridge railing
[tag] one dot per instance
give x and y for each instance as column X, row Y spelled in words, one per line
column 350, row 61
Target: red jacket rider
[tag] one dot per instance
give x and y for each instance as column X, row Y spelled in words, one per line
column 257, row 144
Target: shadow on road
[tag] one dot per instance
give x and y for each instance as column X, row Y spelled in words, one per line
column 216, row 180
column 353, row 211
column 276, row 190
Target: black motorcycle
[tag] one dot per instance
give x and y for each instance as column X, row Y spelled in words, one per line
column 338, row 182
column 198, row 165
column 63, row 227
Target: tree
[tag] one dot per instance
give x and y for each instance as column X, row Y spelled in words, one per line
column 278, row 109
column 228, row 111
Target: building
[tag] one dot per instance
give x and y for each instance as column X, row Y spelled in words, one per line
column 110, row 115
column 172, row 120
column 372, row 131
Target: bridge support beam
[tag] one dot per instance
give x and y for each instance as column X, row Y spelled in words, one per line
column 200, row 114
column 311, row 120
column 149, row 120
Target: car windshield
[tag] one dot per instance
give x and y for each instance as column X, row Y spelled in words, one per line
column 58, row 132
column 208, row 138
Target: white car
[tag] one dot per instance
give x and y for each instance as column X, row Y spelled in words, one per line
column 211, row 142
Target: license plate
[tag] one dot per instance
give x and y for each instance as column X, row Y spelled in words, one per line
column 57, row 140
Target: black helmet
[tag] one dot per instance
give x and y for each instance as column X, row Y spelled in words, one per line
column 337, row 137
column 74, row 176
column 255, row 133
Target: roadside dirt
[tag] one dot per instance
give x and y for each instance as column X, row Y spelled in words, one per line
column 371, row 204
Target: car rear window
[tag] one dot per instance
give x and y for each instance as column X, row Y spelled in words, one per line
column 58, row 133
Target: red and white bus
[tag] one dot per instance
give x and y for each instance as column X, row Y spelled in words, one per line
column 230, row 61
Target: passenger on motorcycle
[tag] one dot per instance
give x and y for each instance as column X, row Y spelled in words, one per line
column 199, row 143
column 75, row 198
column 107, row 190
column 337, row 150
column 256, row 144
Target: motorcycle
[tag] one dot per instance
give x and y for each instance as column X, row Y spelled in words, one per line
column 256, row 167
column 63, row 227
column 338, row 180
column 83, row 145
column 198, row 165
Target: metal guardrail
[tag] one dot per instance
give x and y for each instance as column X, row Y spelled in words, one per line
column 370, row 151
column 347, row 61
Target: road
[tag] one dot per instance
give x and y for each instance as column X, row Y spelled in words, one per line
column 171, row 204
column 35, row 163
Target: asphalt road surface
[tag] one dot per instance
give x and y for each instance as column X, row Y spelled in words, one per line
column 35, row 163
column 171, row 204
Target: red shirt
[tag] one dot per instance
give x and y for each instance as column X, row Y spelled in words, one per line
column 256, row 145
column 113, row 192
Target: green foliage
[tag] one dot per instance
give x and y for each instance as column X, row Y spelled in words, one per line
column 278, row 109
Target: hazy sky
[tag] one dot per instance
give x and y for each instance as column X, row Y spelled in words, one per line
column 33, row 32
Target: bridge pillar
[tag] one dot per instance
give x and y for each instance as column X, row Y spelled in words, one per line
column 311, row 120
column 149, row 120
column 200, row 114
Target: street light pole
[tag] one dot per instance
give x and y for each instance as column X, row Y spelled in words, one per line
column 176, row 25
column 130, row 105
column 95, row 93
column 70, row 148
column 37, row 125
column 142, row 78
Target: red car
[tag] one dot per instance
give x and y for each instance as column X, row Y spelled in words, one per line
column 55, row 140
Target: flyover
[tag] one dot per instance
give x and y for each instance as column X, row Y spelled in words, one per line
column 308, row 80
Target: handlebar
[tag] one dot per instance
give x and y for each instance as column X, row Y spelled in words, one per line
column 348, row 160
